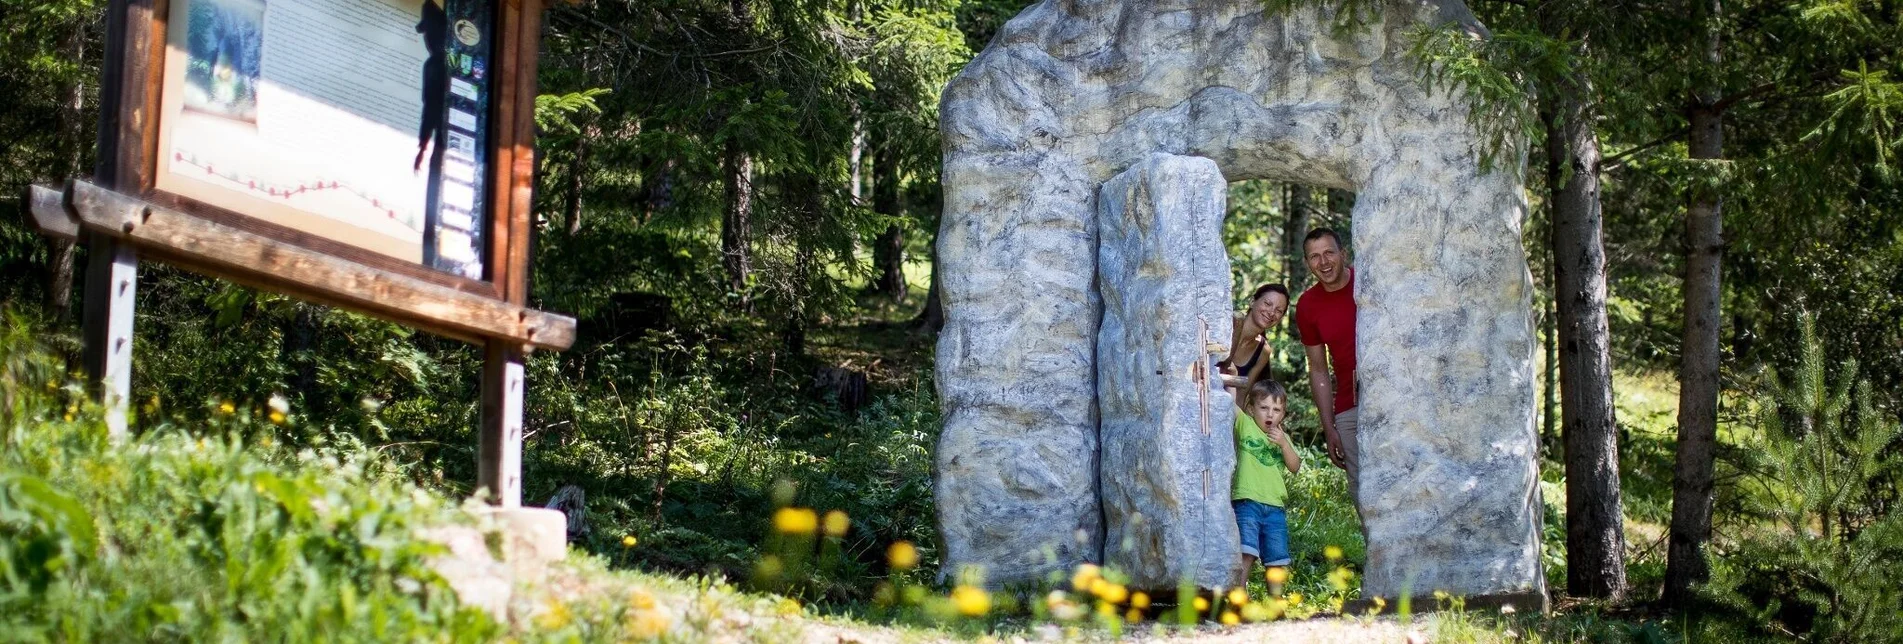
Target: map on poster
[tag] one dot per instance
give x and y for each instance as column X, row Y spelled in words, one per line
column 360, row 121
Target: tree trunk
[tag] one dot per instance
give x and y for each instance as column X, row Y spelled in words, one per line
column 1698, row 372
column 736, row 227
column 933, row 317
column 72, row 128
column 300, row 336
column 583, row 144
column 889, row 253
column 1595, row 531
column 1301, row 204
column 1549, row 437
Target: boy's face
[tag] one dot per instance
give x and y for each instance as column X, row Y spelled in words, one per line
column 1268, row 410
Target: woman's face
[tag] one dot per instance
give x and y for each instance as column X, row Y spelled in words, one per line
column 1267, row 311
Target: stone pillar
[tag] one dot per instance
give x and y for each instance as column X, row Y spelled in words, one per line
column 1168, row 448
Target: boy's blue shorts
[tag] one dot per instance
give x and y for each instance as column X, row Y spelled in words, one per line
column 1264, row 530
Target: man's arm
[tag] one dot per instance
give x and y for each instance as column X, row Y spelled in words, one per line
column 1323, row 388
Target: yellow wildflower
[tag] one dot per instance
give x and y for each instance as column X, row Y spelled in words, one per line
column 1294, row 599
column 1201, row 604
column 554, row 617
column 1086, row 573
column 628, row 541
column 1278, row 575
column 1140, row 600
column 1133, row 616
column 641, row 600
column 648, row 624
column 1332, row 552
column 795, row 521
column 1238, row 596
column 971, row 601
column 836, row 523
column 902, row 555
column 788, row 606
column 1230, row 619
column 277, row 417
column 227, row 408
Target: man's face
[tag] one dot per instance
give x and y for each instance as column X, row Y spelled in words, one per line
column 1269, row 410
column 1323, row 256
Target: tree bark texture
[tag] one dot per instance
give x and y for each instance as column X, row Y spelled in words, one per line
column 76, row 139
column 888, row 255
column 1301, row 204
column 1595, row 529
column 1698, row 372
column 736, row 231
column 573, row 199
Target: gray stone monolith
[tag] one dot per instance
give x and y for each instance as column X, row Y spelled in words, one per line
column 1168, row 447
column 1071, row 93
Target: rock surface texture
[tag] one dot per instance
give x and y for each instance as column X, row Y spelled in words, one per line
column 1071, row 93
column 1168, row 448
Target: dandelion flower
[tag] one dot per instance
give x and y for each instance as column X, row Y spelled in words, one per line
column 628, row 541
column 227, row 408
column 1237, row 596
column 277, row 417
column 1140, row 599
column 648, row 624
column 971, row 601
column 795, row 521
column 836, row 523
column 1294, row 599
column 1201, row 604
column 1080, row 580
column 902, row 555
column 788, row 606
column 1133, row 616
column 1278, row 575
column 1114, row 593
column 1230, row 619
column 641, row 600
column 1332, row 552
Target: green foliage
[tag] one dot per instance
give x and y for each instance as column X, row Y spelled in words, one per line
column 172, row 536
column 1824, row 482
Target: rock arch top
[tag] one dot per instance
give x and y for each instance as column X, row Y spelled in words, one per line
column 1074, row 92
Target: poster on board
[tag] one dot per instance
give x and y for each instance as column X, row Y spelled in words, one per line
column 364, row 122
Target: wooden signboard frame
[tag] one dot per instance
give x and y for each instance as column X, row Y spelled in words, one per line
column 123, row 216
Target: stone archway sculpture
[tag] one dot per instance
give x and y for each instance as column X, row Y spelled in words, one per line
column 1073, row 93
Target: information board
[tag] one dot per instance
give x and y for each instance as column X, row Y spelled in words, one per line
column 364, row 122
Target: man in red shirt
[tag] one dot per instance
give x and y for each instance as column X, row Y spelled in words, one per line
column 1325, row 317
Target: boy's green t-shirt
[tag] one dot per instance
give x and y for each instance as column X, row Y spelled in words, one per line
column 1258, row 465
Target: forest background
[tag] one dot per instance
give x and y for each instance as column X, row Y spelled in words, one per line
column 738, row 200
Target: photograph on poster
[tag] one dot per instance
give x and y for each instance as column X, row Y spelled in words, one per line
column 351, row 120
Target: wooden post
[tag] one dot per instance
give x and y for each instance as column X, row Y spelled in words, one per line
column 112, row 284
column 112, row 271
column 499, row 454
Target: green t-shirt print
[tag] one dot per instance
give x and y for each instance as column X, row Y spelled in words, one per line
column 1258, row 465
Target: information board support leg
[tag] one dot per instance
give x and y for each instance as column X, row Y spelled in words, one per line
column 499, row 457
column 112, row 285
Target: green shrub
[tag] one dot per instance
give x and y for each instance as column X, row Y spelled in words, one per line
column 175, row 537
column 1824, row 547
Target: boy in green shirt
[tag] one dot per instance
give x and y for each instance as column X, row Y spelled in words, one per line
column 1260, row 492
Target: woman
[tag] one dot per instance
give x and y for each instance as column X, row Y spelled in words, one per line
column 1248, row 352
